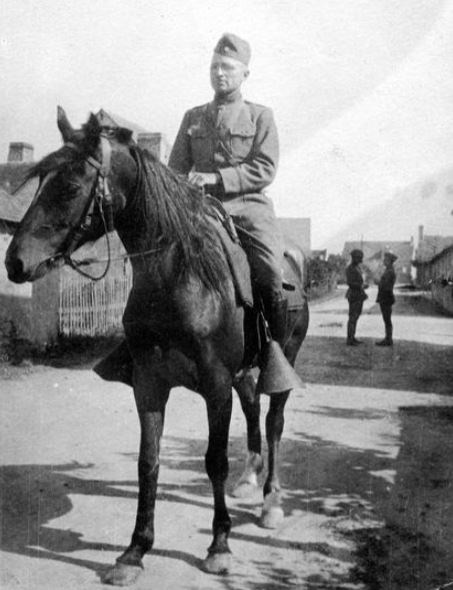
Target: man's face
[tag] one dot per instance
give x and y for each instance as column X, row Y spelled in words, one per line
column 227, row 74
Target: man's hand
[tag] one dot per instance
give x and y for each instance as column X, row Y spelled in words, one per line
column 203, row 179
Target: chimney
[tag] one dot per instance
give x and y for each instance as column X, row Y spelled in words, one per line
column 155, row 143
column 20, row 153
column 420, row 233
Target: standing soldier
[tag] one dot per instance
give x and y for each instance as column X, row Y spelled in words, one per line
column 355, row 295
column 229, row 148
column 386, row 298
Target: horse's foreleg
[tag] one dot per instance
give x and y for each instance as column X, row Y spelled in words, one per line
column 151, row 413
column 250, row 403
column 272, row 513
column 219, row 408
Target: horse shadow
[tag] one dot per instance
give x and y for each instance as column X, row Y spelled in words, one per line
column 318, row 476
column 33, row 495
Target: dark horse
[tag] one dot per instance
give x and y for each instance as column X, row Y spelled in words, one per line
column 183, row 322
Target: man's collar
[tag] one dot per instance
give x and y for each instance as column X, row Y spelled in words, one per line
column 235, row 96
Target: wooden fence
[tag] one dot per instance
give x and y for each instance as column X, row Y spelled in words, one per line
column 89, row 308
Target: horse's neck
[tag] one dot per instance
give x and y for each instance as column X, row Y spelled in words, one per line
column 135, row 223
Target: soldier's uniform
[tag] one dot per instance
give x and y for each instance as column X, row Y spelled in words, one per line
column 386, row 299
column 356, row 296
column 237, row 140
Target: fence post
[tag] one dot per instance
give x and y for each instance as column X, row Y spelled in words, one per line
column 45, row 309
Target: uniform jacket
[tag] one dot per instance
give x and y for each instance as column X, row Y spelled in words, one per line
column 237, row 139
column 385, row 287
column 354, row 280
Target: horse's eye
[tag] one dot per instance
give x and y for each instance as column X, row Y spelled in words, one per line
column 71, row 189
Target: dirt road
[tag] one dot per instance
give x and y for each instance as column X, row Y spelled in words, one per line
column 367, row 470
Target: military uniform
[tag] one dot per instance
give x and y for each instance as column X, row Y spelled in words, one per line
column 238, row 140
column 356, row 296
column 386, row 299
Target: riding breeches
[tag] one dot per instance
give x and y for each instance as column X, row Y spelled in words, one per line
column 386, row 311
column 260, row 236
column 355, row 309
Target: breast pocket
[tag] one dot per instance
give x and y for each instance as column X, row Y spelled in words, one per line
column 241, row 140
column 201, row 145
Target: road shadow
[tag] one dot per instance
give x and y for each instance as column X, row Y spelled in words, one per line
column 414, row 547
column 318, row 476
column 407, row 366
column 35, row 495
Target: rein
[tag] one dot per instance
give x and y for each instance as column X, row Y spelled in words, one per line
column 101, row 196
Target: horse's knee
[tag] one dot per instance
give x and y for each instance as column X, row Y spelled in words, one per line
column 216, row 464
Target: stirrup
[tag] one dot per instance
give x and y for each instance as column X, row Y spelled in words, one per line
column 276, row 374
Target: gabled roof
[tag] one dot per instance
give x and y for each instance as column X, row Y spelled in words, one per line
column 14, row 206
column 12, row 175
column 430, row 246
column 110, row 119
column 374, row 250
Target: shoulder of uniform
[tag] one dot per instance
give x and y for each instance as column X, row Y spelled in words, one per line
column 198, row 110
column 258, row 108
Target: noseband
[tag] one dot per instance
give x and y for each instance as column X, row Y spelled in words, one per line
column 101, row 197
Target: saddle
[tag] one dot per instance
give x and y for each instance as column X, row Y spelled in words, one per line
column 117, row 366
column 238, row 263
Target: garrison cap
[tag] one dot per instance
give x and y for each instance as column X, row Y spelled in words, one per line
column 356, row 253
column 231, row 45
column 390, row 256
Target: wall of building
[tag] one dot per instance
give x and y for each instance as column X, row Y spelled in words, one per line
column 442, row 294
column 15, row 301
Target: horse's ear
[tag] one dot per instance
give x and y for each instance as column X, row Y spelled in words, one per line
column 64, row 125
column 92, row 130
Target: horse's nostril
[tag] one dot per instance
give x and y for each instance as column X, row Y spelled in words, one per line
column 15, row 269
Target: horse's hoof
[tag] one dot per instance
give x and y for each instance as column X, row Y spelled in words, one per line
column 122, row 574
column 218, row 563
column 271, row 518
column 244, row 489
column 272, row 514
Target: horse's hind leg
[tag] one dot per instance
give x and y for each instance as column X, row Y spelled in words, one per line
column 272, row 513
column 250, row 403
column 151, row 396
column 218, row 396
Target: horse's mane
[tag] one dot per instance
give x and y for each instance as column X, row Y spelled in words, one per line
column 175, row 212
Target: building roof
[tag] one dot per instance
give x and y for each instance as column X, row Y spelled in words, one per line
column 109, row 119
column 431, row 246
column 374, row 250
column 12, row 175
column 298, row 231
column 14, row 206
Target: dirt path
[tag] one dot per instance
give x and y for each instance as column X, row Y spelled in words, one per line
column 366, row 469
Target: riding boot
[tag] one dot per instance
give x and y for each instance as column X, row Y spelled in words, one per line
column 276, row 313
column 388, row 340
column 276, row 373
column 350, row 339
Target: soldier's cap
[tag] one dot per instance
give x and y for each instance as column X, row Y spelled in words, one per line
column 356, row 253
column 231, row 45
column 390, row 256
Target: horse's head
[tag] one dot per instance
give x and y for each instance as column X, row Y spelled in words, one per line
column 69, row 207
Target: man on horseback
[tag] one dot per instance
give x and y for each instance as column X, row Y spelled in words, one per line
column 229, row 148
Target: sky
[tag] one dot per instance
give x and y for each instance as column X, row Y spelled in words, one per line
column 361, row 89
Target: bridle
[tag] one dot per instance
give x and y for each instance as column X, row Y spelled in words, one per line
column 100, row 197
